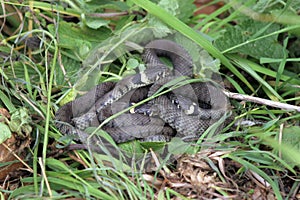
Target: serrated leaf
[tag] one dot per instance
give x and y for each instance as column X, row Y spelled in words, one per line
column 208, row 65
column 162, row 30
column 246, row 30
column 79, row 39
column 179, row 8
column 20, row 122
column 265, row 6
column 5, row 132
column 186, row 8
column 170, row 6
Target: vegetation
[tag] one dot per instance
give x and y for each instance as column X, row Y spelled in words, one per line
column 52, row 51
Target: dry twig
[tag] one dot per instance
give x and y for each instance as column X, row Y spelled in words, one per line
column 262, row 101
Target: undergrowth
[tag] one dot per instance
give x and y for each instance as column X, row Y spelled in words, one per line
column 51, row 53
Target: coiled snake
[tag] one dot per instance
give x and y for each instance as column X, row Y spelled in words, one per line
column 184, row 112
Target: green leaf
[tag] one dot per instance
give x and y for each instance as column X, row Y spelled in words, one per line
column 155, row 146
column 248, row 30
column 97, row 6
column 186, row 8
column 132, row 64
column 20, row 122
column 71, row 67
column 96, row 132
column 57, row 165
column 178, row 146
column 162, row 30
column 96, row 23
column 255, row 169
column 205, row 65
column 5, row 132
column 22, row 191
column 247, row 66
column 78, row 39
column 7, row 102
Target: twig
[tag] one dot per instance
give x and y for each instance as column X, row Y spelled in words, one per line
column 42, row 165
column 258, row 100
column 16, row 156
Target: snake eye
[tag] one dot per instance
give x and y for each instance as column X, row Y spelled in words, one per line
column 175, row 101
column 147, row 112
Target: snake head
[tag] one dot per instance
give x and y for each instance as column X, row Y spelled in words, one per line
column 185, row 104
column 146, row 109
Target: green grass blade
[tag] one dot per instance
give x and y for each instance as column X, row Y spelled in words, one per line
column 246, row 65
column 6, row 101
column 255, row 169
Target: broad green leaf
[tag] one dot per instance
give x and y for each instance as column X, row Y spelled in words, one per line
column 205, row 65
column 234, row 36
column 132, row 148
column 16, row 71
column 186, row 8
column 79, row 39
column 96, row 23
column 132, row 64
column 180, row 8
column 178, row 146
column 160, row 30
column 71, row 67
column 5, row 132
column 97, row 6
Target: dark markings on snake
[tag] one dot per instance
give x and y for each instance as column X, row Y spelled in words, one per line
column 120, row 91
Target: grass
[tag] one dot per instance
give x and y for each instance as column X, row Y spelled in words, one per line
column 42, row 73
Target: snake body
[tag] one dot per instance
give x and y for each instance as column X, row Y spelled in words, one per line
column 185, row 112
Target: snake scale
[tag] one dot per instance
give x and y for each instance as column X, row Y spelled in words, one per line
column 184, row 112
